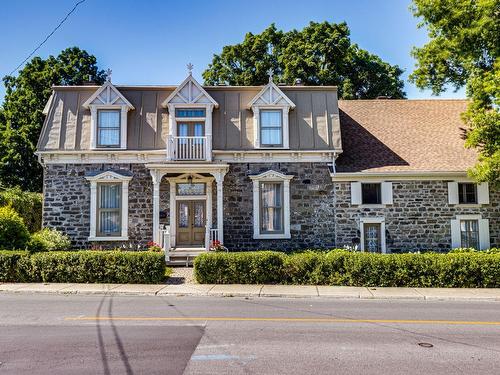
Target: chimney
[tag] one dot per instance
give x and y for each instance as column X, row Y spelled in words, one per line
column 383, row 97
column 90, row 81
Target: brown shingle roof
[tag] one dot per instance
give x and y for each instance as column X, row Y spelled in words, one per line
column 403, row 135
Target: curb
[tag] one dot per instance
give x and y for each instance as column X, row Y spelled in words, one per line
column 257, row 291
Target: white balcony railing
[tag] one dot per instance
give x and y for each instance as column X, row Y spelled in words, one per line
column 190, row 148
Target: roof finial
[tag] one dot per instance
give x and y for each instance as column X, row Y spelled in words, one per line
column 108, row 75
column 270, row 73
column 190, row 68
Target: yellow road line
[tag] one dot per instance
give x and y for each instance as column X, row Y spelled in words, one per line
column 299, row 320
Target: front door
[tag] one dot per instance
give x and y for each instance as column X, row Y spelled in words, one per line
column 191, row 223
column 373, row 237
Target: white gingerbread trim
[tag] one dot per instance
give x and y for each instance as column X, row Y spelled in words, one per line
column 189, row 92
column 271, row 176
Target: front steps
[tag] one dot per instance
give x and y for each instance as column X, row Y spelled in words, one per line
column 184, row 256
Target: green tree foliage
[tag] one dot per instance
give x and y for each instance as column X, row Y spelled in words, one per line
column 320, row 54
column 464, row 50
column 21, row 117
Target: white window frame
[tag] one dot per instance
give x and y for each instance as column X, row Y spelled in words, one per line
column 264, row 100
column 482, row 191
column 373, row 220
column 102, row 100
column 386, row 192
column 484, row 231
column 108, row 177
column 271, row 176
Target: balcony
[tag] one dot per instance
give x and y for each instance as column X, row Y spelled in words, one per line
column 190, row 148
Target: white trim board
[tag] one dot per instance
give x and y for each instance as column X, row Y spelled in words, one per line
column 271, row 176
column 398, row 176
column 371, row 220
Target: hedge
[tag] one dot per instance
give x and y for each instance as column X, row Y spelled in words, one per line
column 129, row 267
column 340, row 267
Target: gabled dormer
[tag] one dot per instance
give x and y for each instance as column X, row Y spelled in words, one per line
column 108, row 117
column 270, row 109
column 190, row 110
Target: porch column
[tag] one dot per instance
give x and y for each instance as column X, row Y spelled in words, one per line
column 219, row 178
column 156, row 204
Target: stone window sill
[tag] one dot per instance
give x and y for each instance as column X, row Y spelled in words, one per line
column 118, row 238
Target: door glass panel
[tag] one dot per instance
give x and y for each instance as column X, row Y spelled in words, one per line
column 197, row 188
column 183, row 215
column 372, row 237
column 199, row 214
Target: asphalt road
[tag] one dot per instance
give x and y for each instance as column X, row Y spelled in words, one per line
column 53, row 334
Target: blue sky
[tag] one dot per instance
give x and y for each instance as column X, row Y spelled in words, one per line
column 150, row 42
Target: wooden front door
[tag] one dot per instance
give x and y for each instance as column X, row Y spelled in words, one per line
column 191, row 223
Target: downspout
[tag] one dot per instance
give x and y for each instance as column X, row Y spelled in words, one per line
column 334, row 171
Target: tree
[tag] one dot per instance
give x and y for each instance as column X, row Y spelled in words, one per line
column 463, row 51
column 320, row 54
column 21, row 117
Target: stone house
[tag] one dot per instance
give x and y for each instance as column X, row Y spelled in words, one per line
column 267, row 167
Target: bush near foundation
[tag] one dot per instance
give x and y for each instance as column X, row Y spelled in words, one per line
column 48, row 239
column 13, row 232
column 340, row 267
column 130, row 267
column 27, row 204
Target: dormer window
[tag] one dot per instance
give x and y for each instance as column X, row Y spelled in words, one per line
column 271, row 127
column 270, row 109
column 108, row 128
column 108, row 117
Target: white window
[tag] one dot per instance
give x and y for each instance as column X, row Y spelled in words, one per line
column 373, row 234
column 271, row 128
column 470, row 231
column 371, row 193
column 108, row 117
column 271, row 205
column 465, row 192
column 108, row 128
column 270, row 114
column 108, row 206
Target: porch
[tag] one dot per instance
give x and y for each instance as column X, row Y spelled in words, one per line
column 193, row 217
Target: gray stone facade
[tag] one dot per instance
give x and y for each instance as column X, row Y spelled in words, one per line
column 419, row 218
column 321, row 214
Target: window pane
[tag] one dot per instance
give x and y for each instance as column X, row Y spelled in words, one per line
column 191, row 189
column 270, row 119
column 371, row 193
column 469, row 233
column 467, row 193
column 372, row 237
column 271, row 136
column 189, row 112
column 109, row 222
column 271, row 209
column 109, row 137
column 183, row 130
column 110, row 196
column 109, row 119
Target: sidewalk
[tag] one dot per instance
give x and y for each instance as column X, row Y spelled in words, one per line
column 234, row 290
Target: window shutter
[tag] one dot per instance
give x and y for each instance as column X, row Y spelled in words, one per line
column 483, row 193
column 386, row 192
column 355, row 192
column 453, row 192
column 484, row 234
column 455, row 234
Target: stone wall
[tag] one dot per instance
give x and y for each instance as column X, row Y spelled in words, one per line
column 321, row 214
column 311, row 206
column 67, row 202
column 418, row 219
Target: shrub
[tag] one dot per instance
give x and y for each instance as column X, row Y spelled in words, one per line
column 98, row 267
column 48, row 240
column 27, row 204
column 13, row 231
column 14, row 266
column 83, row 267
column 340, row 267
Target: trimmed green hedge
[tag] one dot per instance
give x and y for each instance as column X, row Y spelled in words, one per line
column 340, row 267
column 142, row 267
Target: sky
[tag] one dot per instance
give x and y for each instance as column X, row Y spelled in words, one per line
column 149, row 42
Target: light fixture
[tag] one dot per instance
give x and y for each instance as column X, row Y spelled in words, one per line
column 190, row 180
